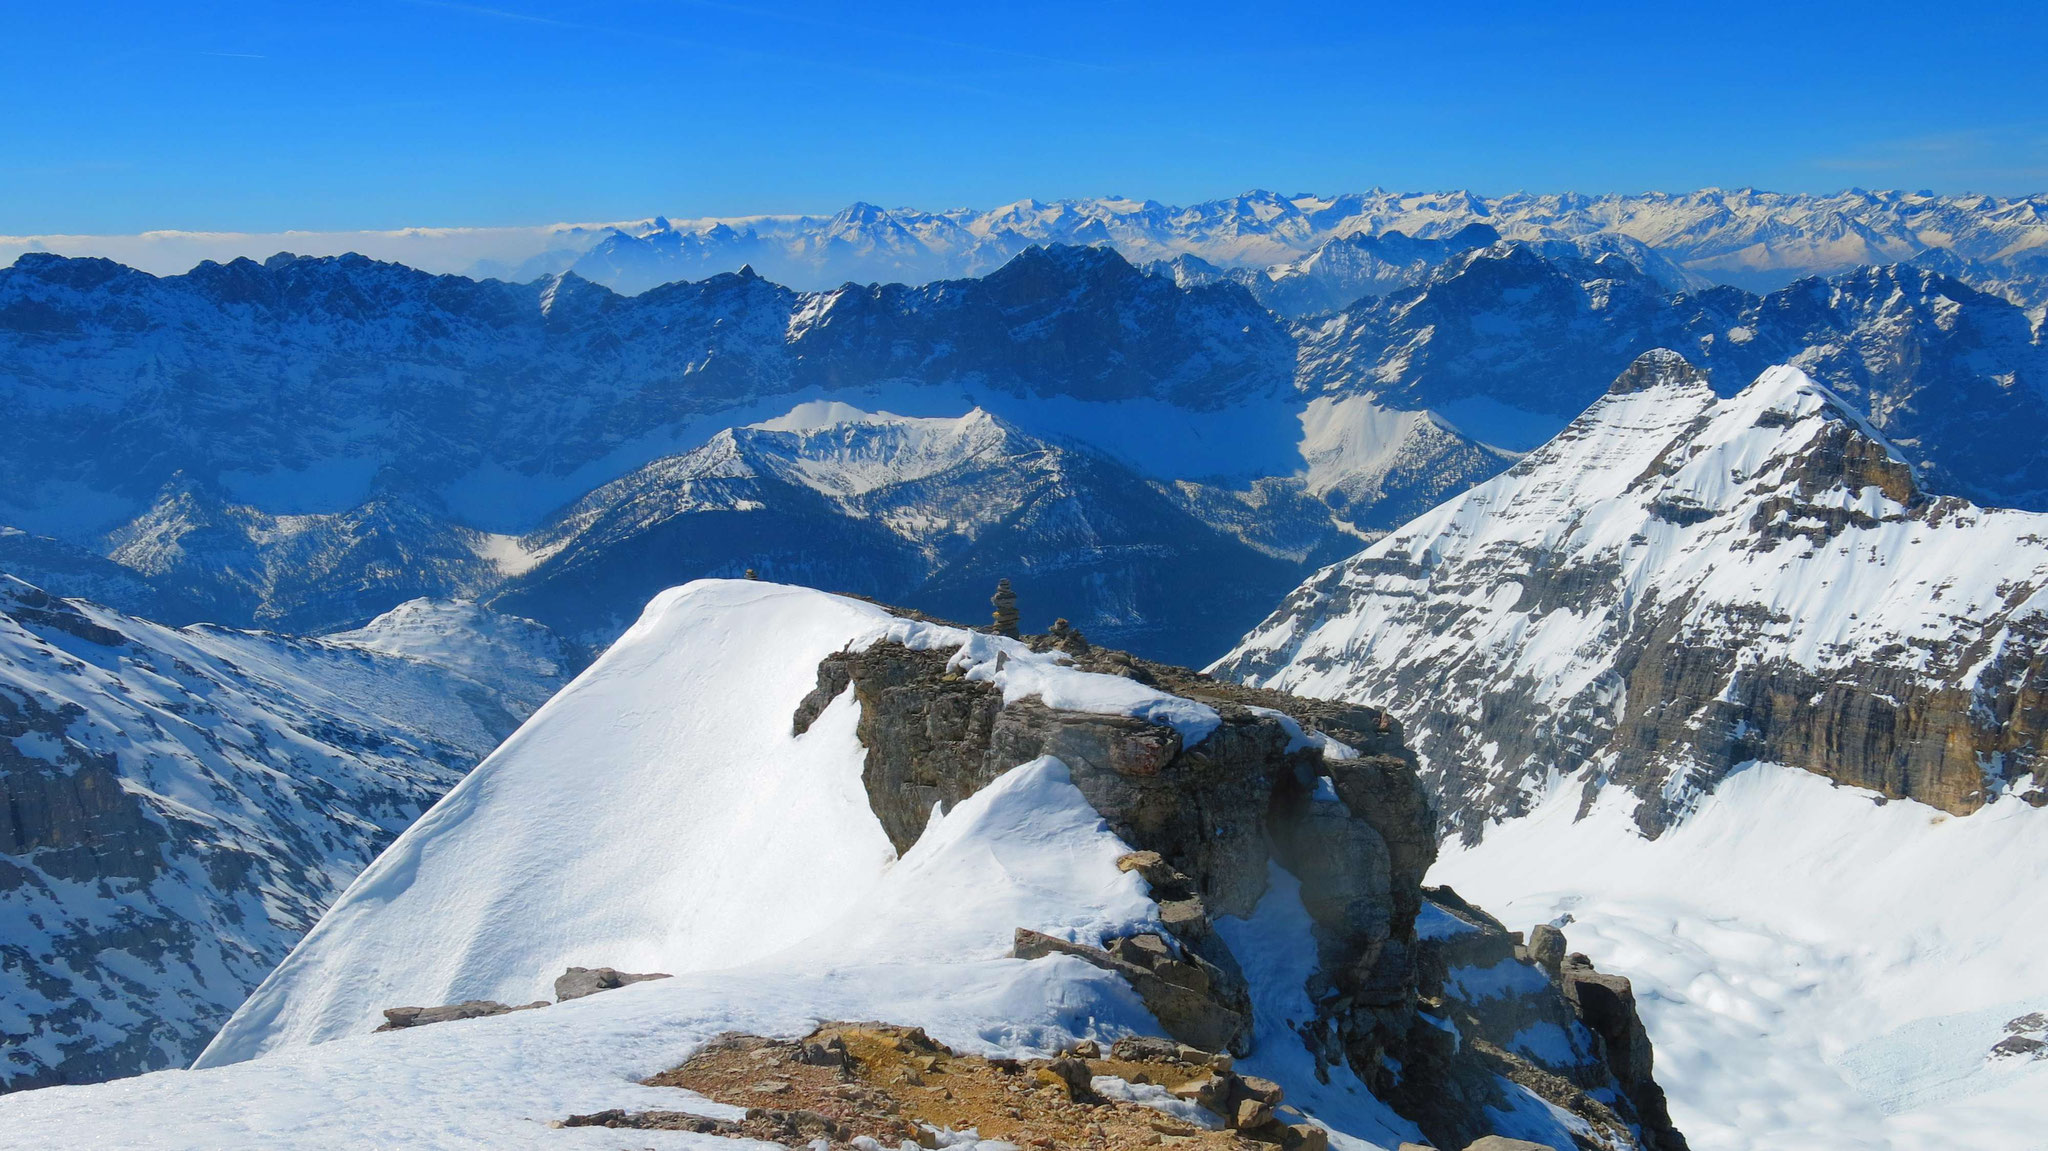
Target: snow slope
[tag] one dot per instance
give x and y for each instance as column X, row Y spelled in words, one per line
column 644, row 819
column 922, row 940
column 1819, row 970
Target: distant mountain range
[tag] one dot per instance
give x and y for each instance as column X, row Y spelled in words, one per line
column 306, row 443
column 1317, row 253
column 1303, row 244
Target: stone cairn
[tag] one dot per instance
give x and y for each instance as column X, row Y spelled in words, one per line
column 1004, row 620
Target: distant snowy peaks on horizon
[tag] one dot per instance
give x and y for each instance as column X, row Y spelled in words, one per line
column 1758, row 239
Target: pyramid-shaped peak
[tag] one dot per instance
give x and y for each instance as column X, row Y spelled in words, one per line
column 1658, row 367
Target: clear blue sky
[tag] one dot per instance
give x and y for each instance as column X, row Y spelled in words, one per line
column 120, row 117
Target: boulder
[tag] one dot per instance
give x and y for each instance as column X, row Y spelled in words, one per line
column 400, row 1018
column 1546, row 948
column 578, row 982
column 1502, row 1143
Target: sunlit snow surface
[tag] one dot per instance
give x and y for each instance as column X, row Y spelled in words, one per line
column 1818, row 970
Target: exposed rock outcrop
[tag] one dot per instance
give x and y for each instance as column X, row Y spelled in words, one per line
column 1330, row 793
column 1496, row 1009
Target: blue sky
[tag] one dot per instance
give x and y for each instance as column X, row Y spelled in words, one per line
column 120, row 117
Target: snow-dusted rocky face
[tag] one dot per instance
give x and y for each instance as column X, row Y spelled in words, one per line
column 182, row 804
column 1674, row 585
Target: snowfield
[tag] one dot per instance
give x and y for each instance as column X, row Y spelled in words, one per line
column 1820, row 970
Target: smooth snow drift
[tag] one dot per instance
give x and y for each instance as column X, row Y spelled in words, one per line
column 1819, row 970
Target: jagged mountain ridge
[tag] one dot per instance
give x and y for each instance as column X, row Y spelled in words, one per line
column 336, row 378
column 1514, row 345
column 1676, row 585
column 1344, row 271
column 494, row 407
column 183, row 804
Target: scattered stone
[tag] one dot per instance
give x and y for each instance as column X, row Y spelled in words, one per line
column 1187, row 1014
column 578, row 982
column 1064, row 636
column 871, row 1094
column 1304, row 1137
column 653, row 1121
column 1252, row 1087
column 1144, row 1048
column 1502, row 1143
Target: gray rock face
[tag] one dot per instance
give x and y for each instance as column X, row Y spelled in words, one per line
column 1207, row 820
column 1177, row 994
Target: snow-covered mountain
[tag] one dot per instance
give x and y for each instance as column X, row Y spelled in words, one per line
column 733, row 796
column 1648, row 650
column 1346, row 270
column 182, row 804
column 925, row 511
column 1760, row 240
